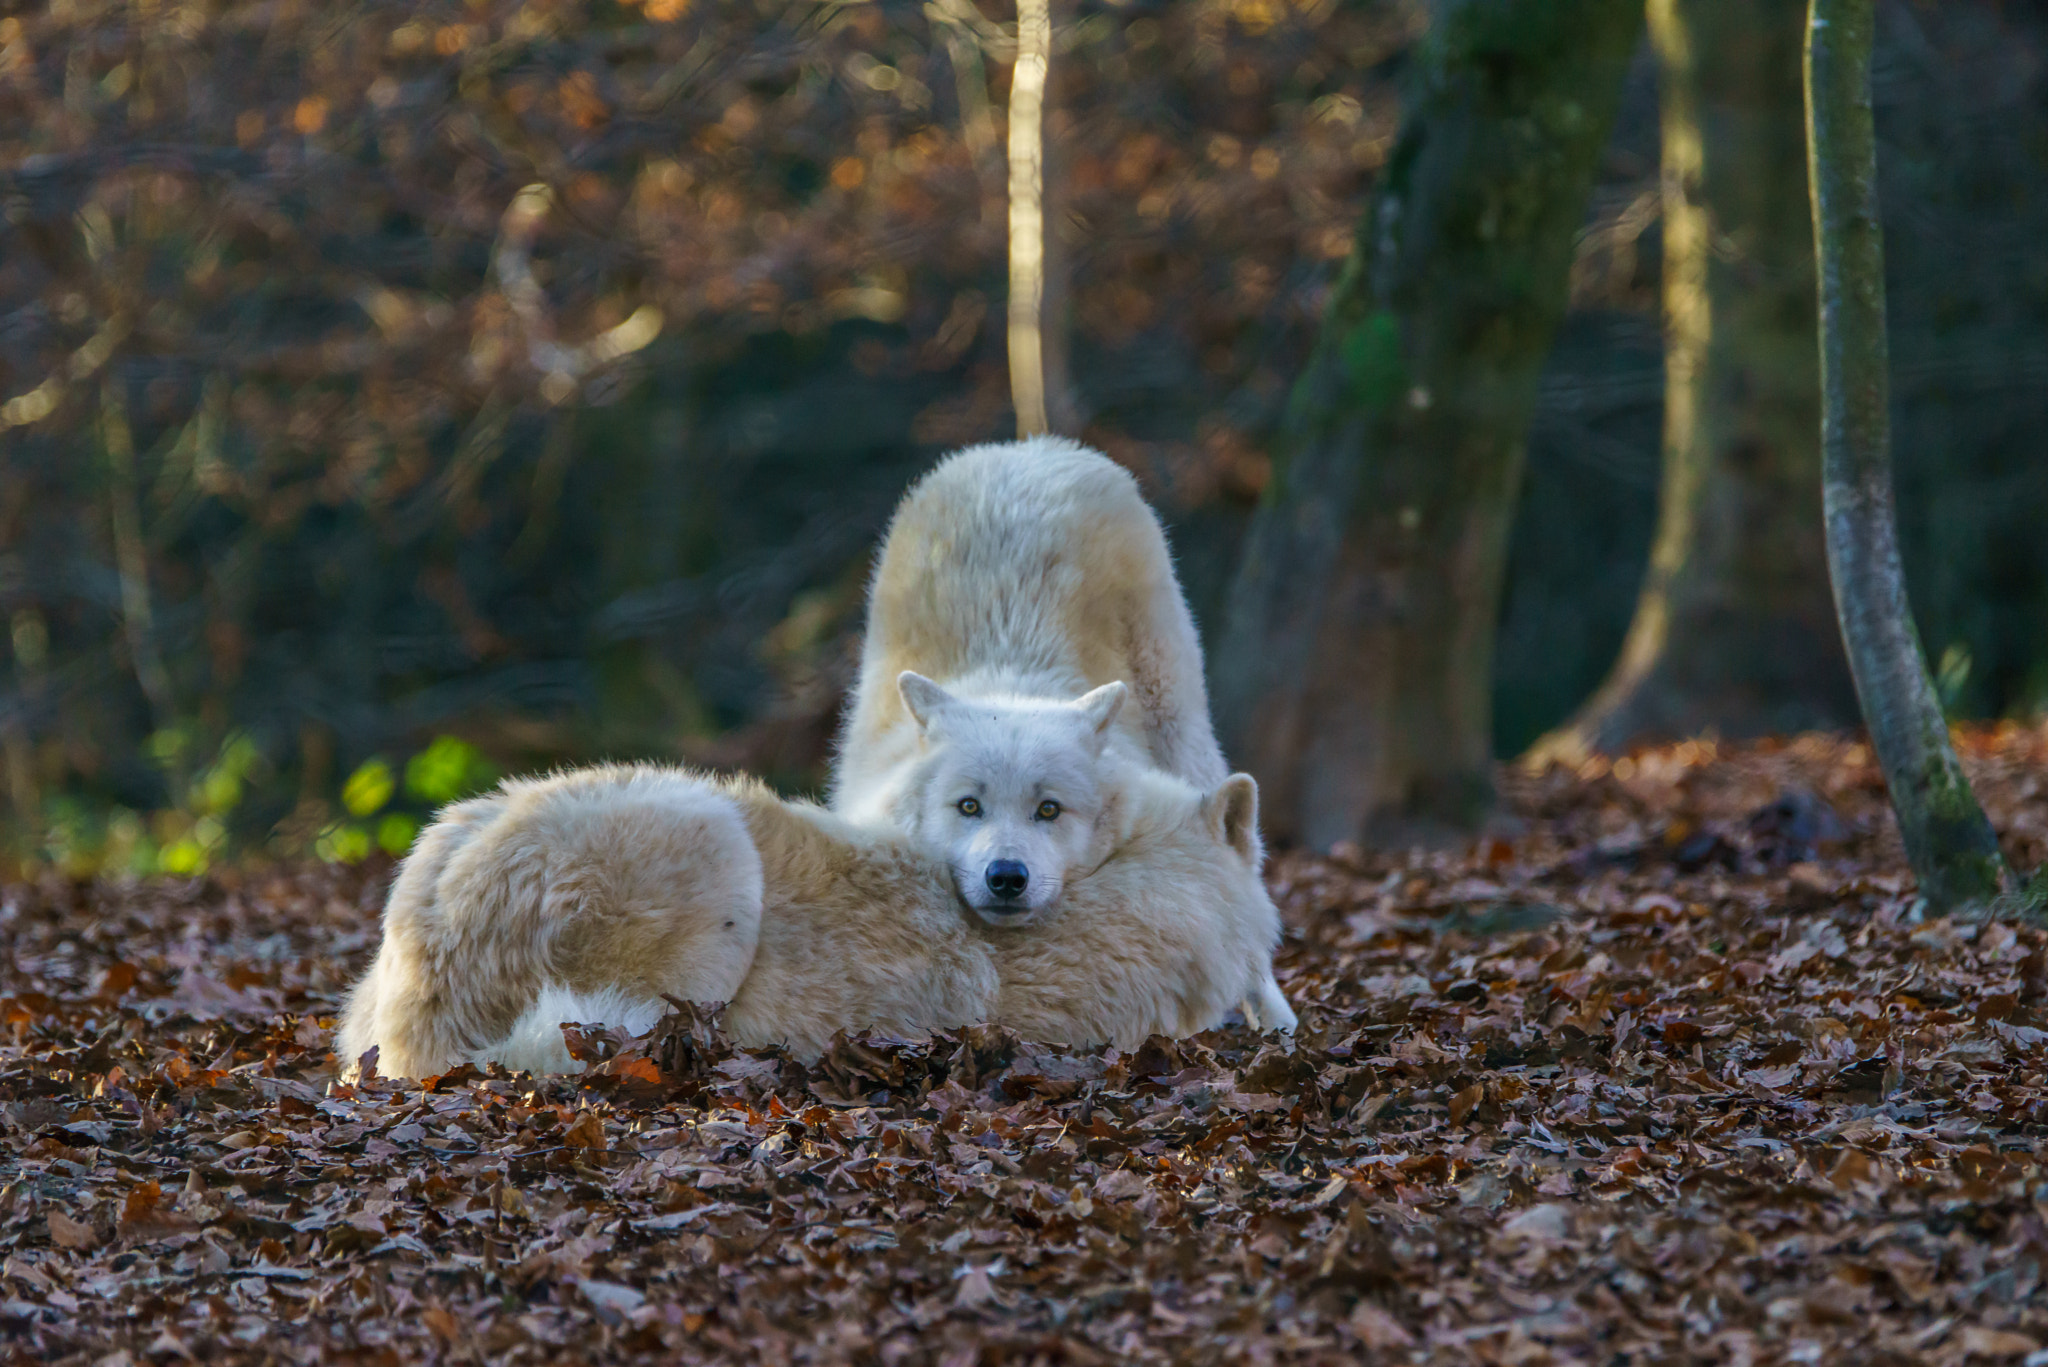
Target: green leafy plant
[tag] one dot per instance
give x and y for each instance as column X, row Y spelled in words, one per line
column 447, row 770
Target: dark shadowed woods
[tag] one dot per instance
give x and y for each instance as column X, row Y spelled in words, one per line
column 1734, row 628
column 323, row 438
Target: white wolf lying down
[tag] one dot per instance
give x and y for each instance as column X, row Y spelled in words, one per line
column 586, row 896
column 1016, row 578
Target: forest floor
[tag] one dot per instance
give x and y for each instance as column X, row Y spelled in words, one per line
column 1672, row 1071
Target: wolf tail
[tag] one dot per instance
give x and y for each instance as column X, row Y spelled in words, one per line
column 582, row 896
column 534, row 1044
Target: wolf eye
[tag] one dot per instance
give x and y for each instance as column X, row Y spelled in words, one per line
column 1048, row 810
column 968, row 807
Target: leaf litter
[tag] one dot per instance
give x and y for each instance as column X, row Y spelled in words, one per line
column 1669, row 1069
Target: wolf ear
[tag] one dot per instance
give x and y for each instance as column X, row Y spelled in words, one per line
column 1233, row 812
column 924, row 698
column 1098, row 707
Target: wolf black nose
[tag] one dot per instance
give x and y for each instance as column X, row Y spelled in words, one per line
column 1007, row 879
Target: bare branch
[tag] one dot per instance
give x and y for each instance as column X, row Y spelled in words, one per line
column 562, row 368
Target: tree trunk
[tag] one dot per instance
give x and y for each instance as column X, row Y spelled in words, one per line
column 1951, row 846
column 1734, row 632
column 1034, row 357
column 1354, row 671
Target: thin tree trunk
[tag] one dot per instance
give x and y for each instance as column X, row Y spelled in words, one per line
column 1353, row 671
column 131, row 563
column 1951, row 846
column 1028, row 387
column 1064, row 411
column 1734, row 631
column 30, row 641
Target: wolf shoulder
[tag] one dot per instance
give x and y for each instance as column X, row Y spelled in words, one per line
column 1043, row 523
column 1027, row 569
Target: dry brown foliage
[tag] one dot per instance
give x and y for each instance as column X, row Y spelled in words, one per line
column 330, row 334
column 1668, row 1074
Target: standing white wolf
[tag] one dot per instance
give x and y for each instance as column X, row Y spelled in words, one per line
column 1027, row 641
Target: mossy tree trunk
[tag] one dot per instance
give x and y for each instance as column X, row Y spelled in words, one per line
column 1734, row 631
column 1952, row 848
column 1354, row 668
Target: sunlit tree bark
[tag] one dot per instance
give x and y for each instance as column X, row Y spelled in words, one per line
column 1952, row 848
column 1734, row 632
column 1028, row 236
column 1354, row 669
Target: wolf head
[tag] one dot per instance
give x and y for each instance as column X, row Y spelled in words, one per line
column 1010, row 792
column 1179, row 846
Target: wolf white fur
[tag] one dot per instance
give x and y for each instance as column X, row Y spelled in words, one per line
column 588, row 896
column 1016, row 578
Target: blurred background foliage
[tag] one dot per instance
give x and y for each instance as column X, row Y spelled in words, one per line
column 392, row 395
